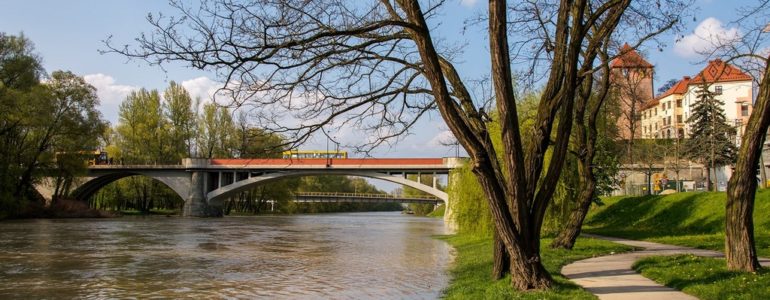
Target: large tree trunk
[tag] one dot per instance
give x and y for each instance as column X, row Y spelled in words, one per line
column 567, row 237
column 740, row 250
column 502, row 261
column 585, row 140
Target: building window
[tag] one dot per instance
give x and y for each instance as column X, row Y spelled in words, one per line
column 745, row 109
column 679, row 103
column 669, row 120
column 717, row 90
column 679, row 118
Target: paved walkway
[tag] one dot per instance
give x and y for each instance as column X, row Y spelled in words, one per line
column 611, row 276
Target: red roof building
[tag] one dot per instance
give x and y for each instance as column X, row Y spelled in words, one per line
column 719, row 71
column 629, row 58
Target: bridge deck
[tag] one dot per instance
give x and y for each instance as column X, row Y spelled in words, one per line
column 358, row 197
column 390, row 164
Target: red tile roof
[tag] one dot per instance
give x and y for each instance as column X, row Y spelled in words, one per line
column 680, row 88
column 650, row 104
column 719, row 71
column 629, row 58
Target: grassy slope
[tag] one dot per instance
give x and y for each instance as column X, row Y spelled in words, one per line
column 705, row 278
column 472, row 269
column 438, row 212
column 689, row 219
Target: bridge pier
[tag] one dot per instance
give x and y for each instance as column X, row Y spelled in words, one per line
column 196, row 203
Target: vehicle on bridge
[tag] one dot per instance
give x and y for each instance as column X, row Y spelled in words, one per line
column 314, row 154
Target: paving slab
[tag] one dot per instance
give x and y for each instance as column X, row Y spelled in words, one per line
column 611, row 276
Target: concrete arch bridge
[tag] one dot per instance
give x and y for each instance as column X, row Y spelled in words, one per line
column 205, row 183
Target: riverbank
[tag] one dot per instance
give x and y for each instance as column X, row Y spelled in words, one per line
column 692, row 220
column 472, row 269
column 61, row 209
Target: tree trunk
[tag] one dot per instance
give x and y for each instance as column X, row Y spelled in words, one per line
column 502, row 261
column 567, row 237
column 740, row 250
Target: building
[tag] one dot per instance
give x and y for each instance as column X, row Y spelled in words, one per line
column 631, row 78
column 666, row 115
column 663, row 117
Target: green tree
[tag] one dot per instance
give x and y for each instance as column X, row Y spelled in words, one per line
column 39, row 120
column 216, row 132
column 143, row 129
column 710, row 135
column 178, row 109
column 20, row 72
column 144, row 138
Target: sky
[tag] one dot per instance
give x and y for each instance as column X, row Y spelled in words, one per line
column 69, row 34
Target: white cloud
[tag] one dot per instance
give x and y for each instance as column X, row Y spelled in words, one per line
column 708, row 33
column 203, row 88
column 110, row 94
column 468, row 3
column 442, row 139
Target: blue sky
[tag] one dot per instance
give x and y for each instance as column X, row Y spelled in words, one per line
column 68, row 35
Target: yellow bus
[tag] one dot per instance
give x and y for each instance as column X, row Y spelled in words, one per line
column 314, row 154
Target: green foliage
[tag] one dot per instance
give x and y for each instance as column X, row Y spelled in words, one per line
column 705, row 278
column 469, row 204
column 693, row 219
column 216, row 132
column 711, row 135
column 473, row 265
column 143, row 131
column 178, row 110
column 438, row 212
column 39, row 120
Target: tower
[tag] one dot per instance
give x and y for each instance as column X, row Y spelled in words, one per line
column 631, row 80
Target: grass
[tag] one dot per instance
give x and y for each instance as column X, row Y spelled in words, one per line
column 472, row 269
column 438, row 212
column 694, row 219
column 705, row 278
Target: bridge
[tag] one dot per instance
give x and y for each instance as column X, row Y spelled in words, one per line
column 204, row 184
column 366, row 198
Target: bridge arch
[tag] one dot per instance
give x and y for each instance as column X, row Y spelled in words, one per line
column 176, row 181
column 243, row 185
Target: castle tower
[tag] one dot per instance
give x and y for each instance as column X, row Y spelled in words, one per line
column 631, row 79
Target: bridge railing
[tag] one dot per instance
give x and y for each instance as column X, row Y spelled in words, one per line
column 363, row 195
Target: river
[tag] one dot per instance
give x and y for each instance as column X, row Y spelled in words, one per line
column 341, row 256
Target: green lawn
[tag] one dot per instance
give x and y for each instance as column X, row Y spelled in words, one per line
column 705, row 278
column 688, row 219
column 472, row 269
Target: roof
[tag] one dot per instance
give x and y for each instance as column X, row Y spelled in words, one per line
column 650, row 104
column 629, row 58
column 679, row 88
column 719, row 71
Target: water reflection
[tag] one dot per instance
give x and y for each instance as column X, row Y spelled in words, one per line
column 354, row 256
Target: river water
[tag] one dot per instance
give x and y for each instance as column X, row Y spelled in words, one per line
column 340, row 256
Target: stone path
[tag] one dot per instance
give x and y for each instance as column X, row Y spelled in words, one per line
column 611, row 276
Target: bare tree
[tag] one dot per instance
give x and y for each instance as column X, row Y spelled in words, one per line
column 376, row 66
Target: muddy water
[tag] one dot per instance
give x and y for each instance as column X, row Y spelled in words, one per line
column 341, row 256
